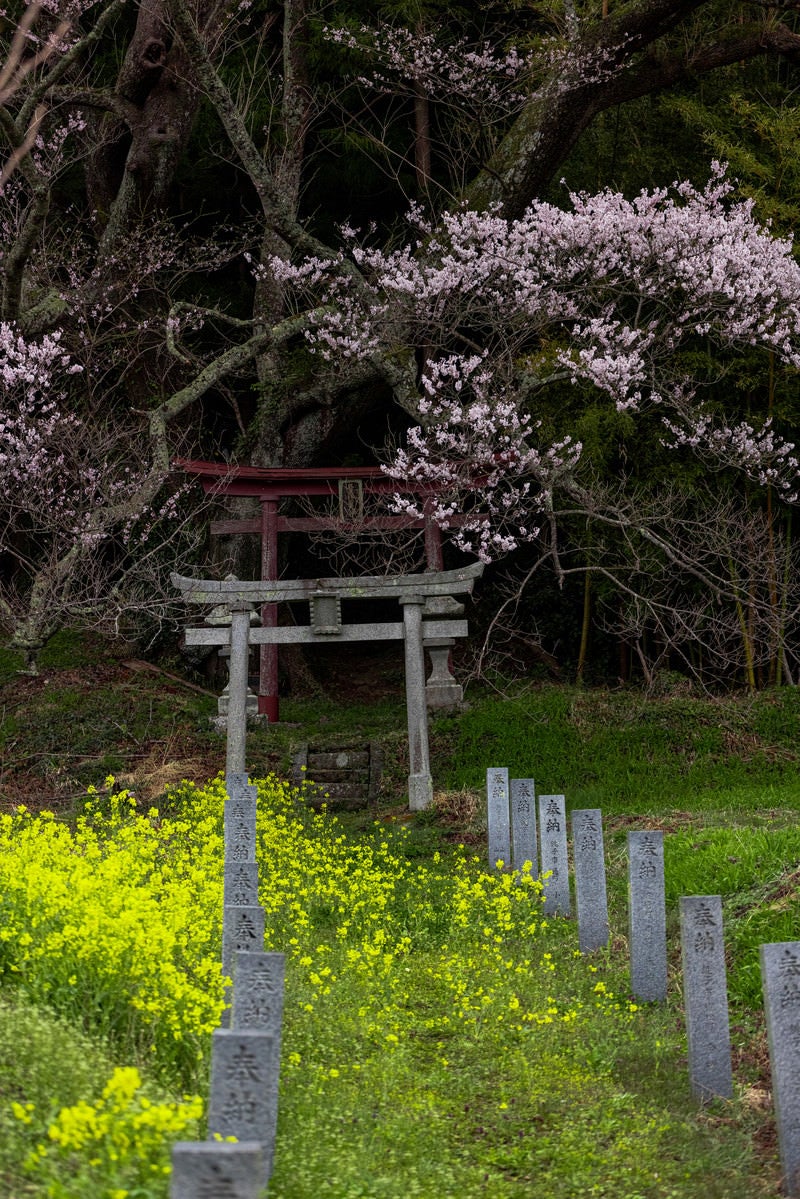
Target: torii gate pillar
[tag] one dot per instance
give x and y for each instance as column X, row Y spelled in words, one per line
column 268, row 701
column 236, row 728
column 324, row 597
column 420, row 783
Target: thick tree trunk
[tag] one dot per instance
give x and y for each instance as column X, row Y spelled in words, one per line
column 275, row 420
column 130, row 173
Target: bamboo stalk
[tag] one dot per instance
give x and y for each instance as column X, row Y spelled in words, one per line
column 747, row 647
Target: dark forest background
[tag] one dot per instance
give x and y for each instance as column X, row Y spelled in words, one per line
column 202, row 138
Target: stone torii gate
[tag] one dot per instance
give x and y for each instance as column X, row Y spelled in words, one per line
column 324, row 597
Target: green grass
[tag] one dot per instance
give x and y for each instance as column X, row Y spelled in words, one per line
column 606, row 1112
column 64, row 650
column 45, row 1061
column 622, row 751
column 46, row 1064
column 87, row 717
column 407, row 1068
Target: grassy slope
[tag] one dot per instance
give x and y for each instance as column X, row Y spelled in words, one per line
column 719, row 776
column 88, row 715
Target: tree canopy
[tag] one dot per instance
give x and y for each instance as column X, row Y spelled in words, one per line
column 285, row 233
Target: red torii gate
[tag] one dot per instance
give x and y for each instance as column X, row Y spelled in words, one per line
column 269, row 485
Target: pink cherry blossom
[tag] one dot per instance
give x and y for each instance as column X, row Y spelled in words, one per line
column 604, row 292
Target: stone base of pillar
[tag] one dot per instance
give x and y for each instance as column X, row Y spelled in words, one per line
column 420, row 792
column 444, row 695
column 224, row 700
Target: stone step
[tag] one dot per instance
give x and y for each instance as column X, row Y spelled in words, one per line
column 342, row 790
column 349, row 773
column 343, row 759
column 358, row 778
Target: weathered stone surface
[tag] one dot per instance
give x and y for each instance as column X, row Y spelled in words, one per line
column 258, row 992
column 242, row 931
column 351, row 774
column 590, row 879
column 420, row 791
column 705, row 996
column 780, row 977
column 412, row 593
column 220, row 722
column 523, row 825
column 240, row 884
column 243, row 1096
column 306, row 635
column 240, row 830
column 437, row 583
column 441, row 690
column 420, row 782
column 498, row 817
column 342, row 789
column 325, row 614
column 238, row 786
column 338, row 759
column 244, row 926
column 217, row 1170
column 553, row 842
column 300, row 765
column 440, row 605
column 647, row 915
column 235, row 758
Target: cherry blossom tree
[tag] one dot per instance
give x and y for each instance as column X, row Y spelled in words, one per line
column 496, row 300
column 533, row 95
column 611, row 297
column 88, row 529
column 607, row 293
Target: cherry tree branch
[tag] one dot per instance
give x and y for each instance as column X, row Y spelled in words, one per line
column 558, row 113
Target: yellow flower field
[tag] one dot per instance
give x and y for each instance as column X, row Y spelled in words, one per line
column 433, row 1018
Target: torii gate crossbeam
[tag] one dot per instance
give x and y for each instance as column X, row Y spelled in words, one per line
column 324, row 596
